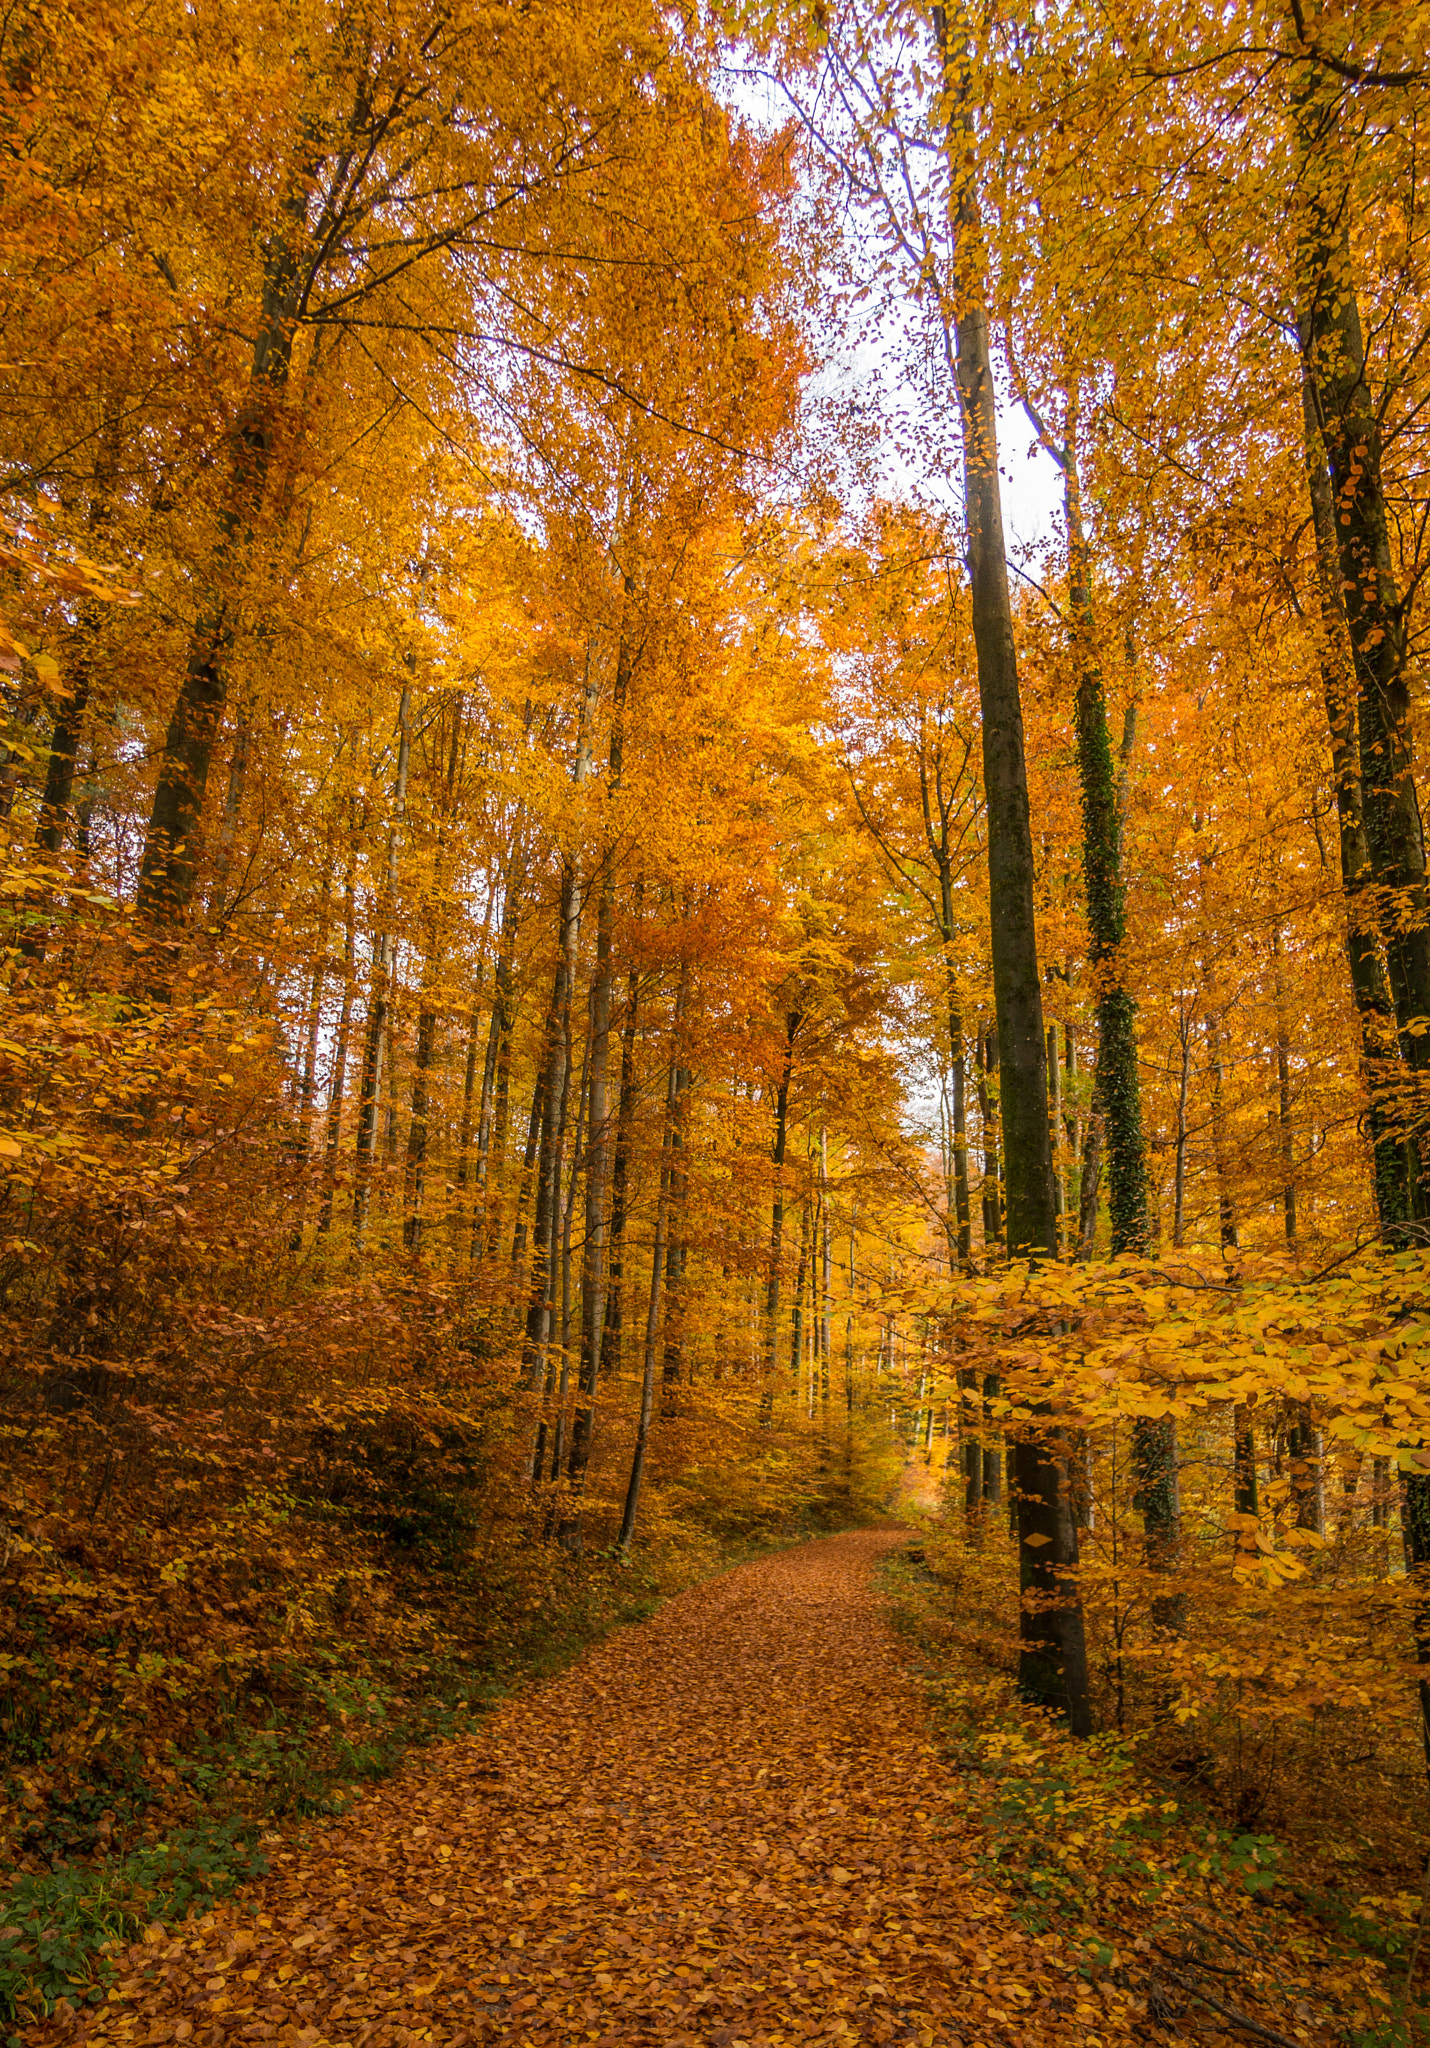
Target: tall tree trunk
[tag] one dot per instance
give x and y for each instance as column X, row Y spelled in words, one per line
column 167, row 868
column 1370, row 987
column 1119, row 1093
column 1333, row 346
column 1053, row 1662
column 593, row 1258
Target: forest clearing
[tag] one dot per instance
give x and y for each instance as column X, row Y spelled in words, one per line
column 714, row 1022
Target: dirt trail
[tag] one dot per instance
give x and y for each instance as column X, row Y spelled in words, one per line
column 726, row 1826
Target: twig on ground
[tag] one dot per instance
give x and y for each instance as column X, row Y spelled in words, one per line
column 1237, row 2019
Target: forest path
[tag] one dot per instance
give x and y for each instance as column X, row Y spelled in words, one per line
column 726, row 1825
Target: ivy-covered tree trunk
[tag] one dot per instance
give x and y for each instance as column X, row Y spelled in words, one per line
column 1118, row 1085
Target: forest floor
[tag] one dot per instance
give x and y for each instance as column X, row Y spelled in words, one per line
column 728, row 1825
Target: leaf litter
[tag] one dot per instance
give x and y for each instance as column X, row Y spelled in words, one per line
column 727, row 1826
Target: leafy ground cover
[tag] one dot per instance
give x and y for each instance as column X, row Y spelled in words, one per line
column 740, row 1823
column 124, row 1853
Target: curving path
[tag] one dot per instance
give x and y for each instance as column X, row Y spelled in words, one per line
column 726, row 1826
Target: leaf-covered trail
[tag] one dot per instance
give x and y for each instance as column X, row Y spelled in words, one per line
column 726, row 1825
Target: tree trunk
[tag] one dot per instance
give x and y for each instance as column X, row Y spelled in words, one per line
column 1333, row 346
column 1103, row 879
column 379, row 1008
column 957, row 1053
column 415, row 1178
column 340, row 1051
column 620, row 1170
column 593, row 1260
column 1179, row 1171
column 1370, row 987
column 167, row 869
column 1053, row 1662
column 652, row 1326
column 777, row 1220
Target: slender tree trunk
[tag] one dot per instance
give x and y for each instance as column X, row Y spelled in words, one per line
column 652, row 1326
column 620, row 1170
column 673, row 1360
column 496, row 1093
column 593, row 1265
column 796, row 1328
column 380, row 998
column 533, row 1143
column 825, row 1275
column 1285, row 1128
column 777, row 1220
column 553, row 1086
column 340, row 1050
column 307, row 1085
column 1226, row 1202
column 415, row 1178
column 1179, row 1184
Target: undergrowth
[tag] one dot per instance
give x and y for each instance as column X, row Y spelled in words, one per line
column 1145, row 1886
